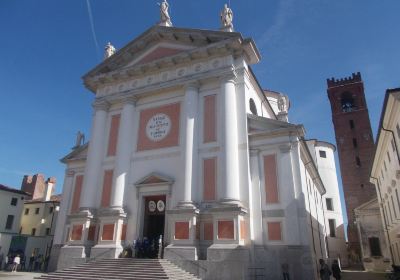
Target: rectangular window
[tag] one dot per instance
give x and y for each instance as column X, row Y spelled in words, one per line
column 374, row 246
column 47, row 231
column 322, row 154
column 351, row 122
column 398, row 131
column 113, row 136
column 271, row 179
column 355, row 143
column 209, row 179
column 37, row 211
column 77, row 193
column 26, row 211
column 390, row 213
column 329, row 204
column 389, row 159
column 358, row 161
column 209, row 119
column 107, row 185
column 33, row 232
column 51, row 209
column 10, row 220
column 384, row 165
column 14, row 201
column 332, row 227
column 393, row 145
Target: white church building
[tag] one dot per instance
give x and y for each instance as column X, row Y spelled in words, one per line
column 186, row 144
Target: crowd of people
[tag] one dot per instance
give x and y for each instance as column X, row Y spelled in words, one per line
column 19, row 262
column 145, row 248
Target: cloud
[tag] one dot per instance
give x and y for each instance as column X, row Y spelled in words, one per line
column 273, row 33
column 96, row 43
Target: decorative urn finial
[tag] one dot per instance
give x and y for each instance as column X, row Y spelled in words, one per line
column 227, row 19
column 109, row 50
column 165, row 19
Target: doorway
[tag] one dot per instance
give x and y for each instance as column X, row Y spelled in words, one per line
column 154, row 217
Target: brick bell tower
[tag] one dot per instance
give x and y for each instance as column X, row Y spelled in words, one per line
column 355, row 146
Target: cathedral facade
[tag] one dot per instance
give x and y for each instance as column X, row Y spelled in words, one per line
column 187, row 148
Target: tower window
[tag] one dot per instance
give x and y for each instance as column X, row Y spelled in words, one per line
column 332, row 228
column 14, row 201
column 355, row 143
column 398, row 130
column 322, row 154
column 351, row 122
column 393, row 146
column 33, row 232
column 358, row 161
column 347, row 102
column 384, row 165
column 329, row 204
column 389, row 159
column 9, row 222
column 253, row 107
column 26, row 211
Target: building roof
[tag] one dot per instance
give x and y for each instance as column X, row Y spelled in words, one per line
column 53, row 199
column 8, row 189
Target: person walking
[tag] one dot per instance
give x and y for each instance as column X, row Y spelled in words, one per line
column 324, row 271
column 285, row 271
column 16, row 262
column 31, row 261
column 336, row 270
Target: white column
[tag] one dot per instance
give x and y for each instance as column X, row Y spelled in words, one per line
column 124, row 151
column 256, row 220
column 94, row 157
column 190, row 157
column 230, row 189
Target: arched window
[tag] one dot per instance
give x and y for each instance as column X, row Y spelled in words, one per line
column 347, row 102
column 253, row 107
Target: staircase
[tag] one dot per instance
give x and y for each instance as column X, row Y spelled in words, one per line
column 123, row 269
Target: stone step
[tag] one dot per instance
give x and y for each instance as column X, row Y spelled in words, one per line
column 123, row 269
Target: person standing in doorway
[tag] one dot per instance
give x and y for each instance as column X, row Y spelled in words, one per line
column 336, row 270
column 324, row 271
column 16, row 262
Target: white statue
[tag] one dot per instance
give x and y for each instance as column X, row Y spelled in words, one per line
column 165, row 19
column 227, row 18
column 282, row 106
column 109, row 50
column 80, row 139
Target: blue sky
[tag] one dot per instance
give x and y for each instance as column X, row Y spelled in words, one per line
column 46, row 46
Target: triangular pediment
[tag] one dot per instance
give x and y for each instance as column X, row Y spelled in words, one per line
column 78, row 153
column 154, row 179
column 368, row 206
column 161, row 47
column 262, row 124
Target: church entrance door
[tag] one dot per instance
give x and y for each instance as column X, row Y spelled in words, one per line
column 154, row 217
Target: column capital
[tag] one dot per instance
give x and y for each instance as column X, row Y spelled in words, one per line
column 192, row 85
column 229, row 77
column 131, row 100
column 286, row 148
column 254, row 153
column 101, row 105
column 69, row 172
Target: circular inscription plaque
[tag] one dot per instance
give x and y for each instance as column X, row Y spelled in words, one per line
column 158, row 127
column 152, row 206
column 160, row 206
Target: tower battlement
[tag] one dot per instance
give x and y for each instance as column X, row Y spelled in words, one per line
column 355, row 77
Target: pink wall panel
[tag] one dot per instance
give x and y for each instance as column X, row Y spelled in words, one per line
column 108, row 232
column 77, row 194
column 76, row 232
column 107, row 187
column 209, row 121
column 243, row 230
column 271, row 180
column 181, row 230
column 226, row 230
column 208, row 231
column 209, row 179
column 274, row 231
column 171, row 139
column 158, row 53
column 113, row 137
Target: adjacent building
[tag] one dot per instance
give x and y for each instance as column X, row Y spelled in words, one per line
column 355, row 148
column 11, row 208
column 187, row 146
column 385, row 173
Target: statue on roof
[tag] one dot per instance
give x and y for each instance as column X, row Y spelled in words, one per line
column 109, row 50
column 165, row 19
column 80, row 139
column 227, row 19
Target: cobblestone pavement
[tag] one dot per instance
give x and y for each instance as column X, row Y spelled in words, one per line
column 360, row 275
column 18, row 275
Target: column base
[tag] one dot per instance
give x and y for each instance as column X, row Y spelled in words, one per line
column 228, row 252
column 186, row 205
column 177, row 252
column 106, row 251
column 72, row 256
column 230, row 202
